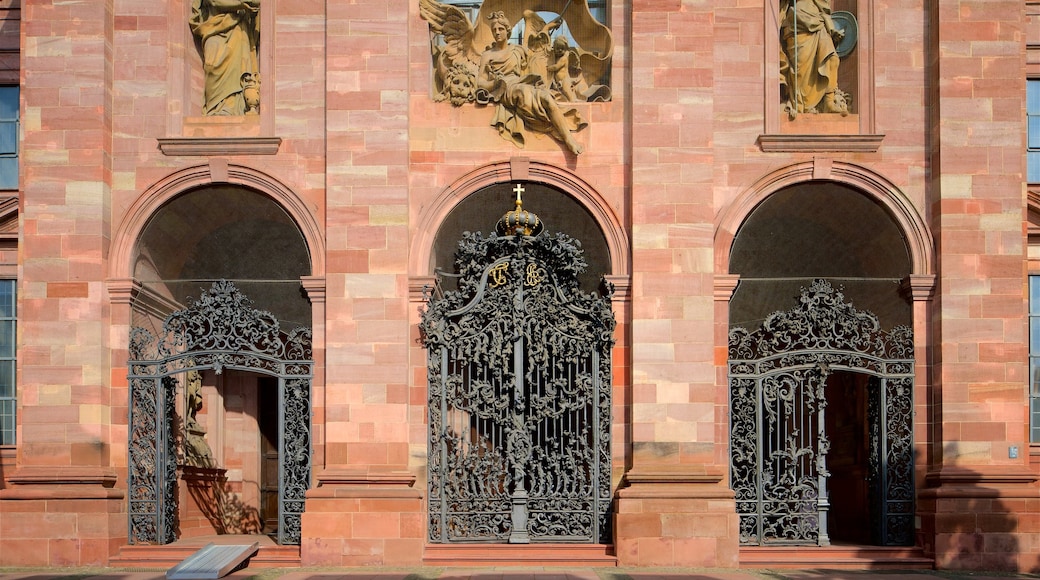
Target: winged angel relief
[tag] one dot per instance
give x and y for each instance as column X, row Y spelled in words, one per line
column 526, row 82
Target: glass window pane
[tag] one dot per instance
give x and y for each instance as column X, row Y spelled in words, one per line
column 1033, row 129
column 7, row 339
column 6, row 422
column 8, row 138
column 1035, row 419
column 1034, row 373
column 7, row 379
column 1033, row 97
column 8, row 173
column 1034, row 294
column 8, row 103
column 7, row 301
column 1033, row 167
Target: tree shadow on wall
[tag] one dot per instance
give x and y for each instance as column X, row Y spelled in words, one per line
column 209, row 490
column 980, row 518
column 217, row 501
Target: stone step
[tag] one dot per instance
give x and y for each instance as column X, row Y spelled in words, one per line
column 845, row 557
column 458, row 555
column 164, row 557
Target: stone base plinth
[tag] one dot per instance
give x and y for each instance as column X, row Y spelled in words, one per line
column 356, row 518
column 981, row 518
column 61, row 516
column 681, row 517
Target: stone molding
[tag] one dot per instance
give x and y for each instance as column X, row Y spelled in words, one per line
column 131, row 291
column 918, row 288
column 216, row 171
column 820, row 143
column 29, row 483
column 725, row 286
column 887, row 194
column 358, row 483
column 521, row 169
column 980, row 479
column 674, row 482
column 206, row 146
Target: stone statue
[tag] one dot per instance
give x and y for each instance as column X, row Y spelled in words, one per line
column 228, row 32
column 527, row 82
column 196, row 450
column 808, row 59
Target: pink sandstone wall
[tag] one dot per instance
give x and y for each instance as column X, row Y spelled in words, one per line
column 367, row 153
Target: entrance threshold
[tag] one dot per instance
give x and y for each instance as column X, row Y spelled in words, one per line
column 838, row 556
column 271, row 555
column 213, row 562
column 498, row 555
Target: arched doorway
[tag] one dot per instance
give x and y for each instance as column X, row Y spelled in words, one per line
column 220, row 369
column 821, row 394
column 519, row 374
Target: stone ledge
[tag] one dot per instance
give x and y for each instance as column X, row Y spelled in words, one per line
column 30, row 483
column 359, row 483
column 207, row 146
column 820, row 143
column 982, row 475
column 679, row 482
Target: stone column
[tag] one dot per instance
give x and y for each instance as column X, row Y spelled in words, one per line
column 65, row 414
column 980, row 511
column 365, row 510
column 674, row 508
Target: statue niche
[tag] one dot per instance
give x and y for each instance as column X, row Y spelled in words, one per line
column 227, row 34
column 814, row 40
column 528, row 83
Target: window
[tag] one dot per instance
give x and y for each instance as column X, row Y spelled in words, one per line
column 8, row 137
column 1033, row 130
column 7, row 361
column 1034, row 359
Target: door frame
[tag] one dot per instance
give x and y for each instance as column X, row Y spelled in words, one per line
column 826, row 333
column 218, row 331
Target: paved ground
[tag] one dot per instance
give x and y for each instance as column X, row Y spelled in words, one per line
column 510, row 574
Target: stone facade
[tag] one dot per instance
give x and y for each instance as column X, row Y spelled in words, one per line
column 350, row 144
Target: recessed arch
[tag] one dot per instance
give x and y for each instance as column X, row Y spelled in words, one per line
column 127, row 234
column 885, row 193
column 525, row 170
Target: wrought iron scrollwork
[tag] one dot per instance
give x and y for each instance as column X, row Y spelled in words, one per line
column 153, row 461
column 779, row 442
column 519, row 396
column 218, row 331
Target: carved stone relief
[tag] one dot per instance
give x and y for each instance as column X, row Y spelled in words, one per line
column 529, row 82
column 227, row 33
column 813, row 41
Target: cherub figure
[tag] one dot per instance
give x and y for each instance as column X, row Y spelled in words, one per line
column 568, row 78
column 251, row 93
column 538, row 40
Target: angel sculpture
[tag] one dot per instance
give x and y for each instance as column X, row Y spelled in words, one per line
column 476, row 63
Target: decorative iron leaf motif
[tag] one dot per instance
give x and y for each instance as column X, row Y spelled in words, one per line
column 221, row 319
column 778, row 445
column 822, row 321
column 519, row 396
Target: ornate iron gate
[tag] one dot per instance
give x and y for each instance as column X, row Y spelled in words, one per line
column 778, row 454
column 519, row 396
column 218, row 331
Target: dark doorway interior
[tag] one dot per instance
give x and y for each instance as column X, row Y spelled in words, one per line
column 267, row 417
column 848, row 485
